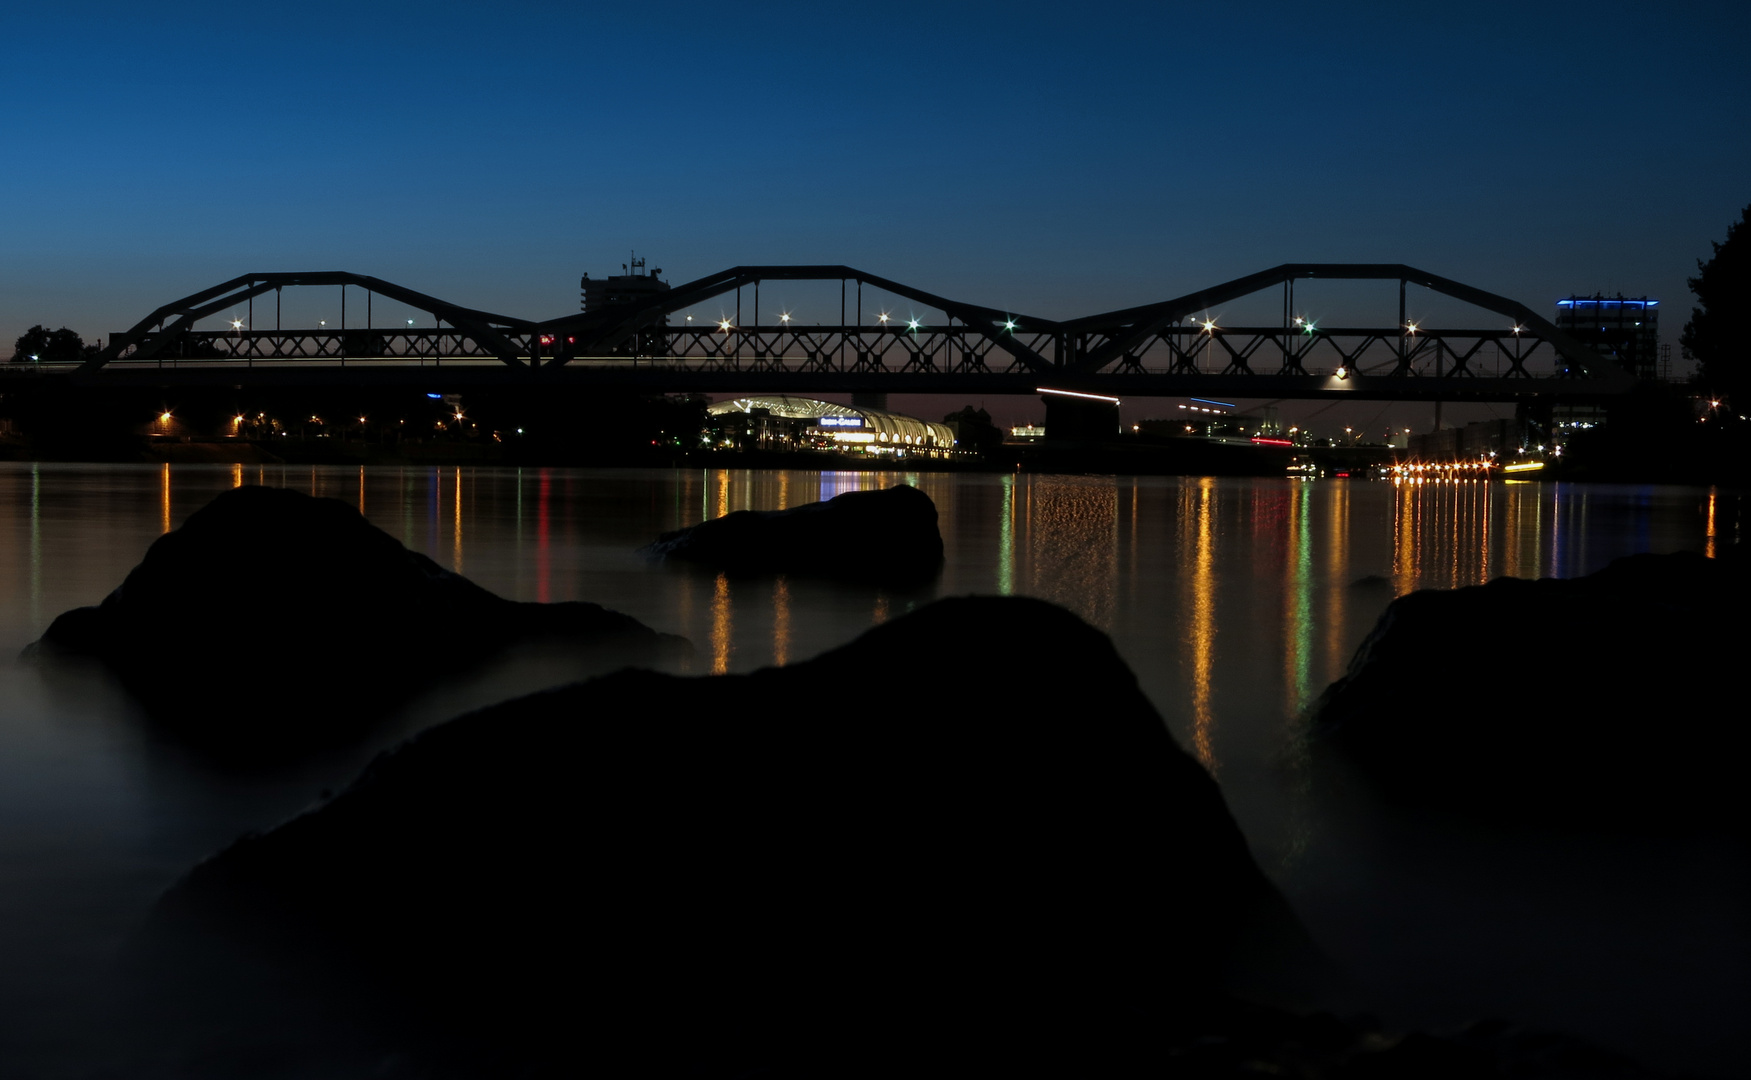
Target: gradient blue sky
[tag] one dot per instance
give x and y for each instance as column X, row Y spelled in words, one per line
column 1028, row 156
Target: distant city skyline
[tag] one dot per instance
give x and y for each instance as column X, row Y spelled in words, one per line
column 1012, row 155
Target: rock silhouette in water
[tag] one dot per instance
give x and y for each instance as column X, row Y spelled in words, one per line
column 827, row 867
column 887, row 536
column 1612, row 698
column 269, row 606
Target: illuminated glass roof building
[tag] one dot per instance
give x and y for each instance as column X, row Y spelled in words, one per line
column 808, row 424
column 1627, row 330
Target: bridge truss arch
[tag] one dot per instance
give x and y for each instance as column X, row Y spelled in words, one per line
column 1153, row 349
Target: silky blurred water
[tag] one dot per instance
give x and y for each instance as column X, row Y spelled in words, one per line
column 1235, row 601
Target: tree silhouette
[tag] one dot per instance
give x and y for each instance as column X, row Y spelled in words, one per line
column 39, row 343
column 1715, row 334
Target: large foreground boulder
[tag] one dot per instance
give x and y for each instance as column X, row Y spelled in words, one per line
column 1615, row 698
column 269, row 606
column 888, row 536
column 921, row 853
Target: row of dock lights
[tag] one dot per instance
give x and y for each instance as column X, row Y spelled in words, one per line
column 1421, row 473
column 1445, row 468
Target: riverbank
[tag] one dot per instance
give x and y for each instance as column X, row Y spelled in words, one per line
column 1126, row 457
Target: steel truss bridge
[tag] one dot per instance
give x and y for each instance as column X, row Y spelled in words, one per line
column 1163, row 349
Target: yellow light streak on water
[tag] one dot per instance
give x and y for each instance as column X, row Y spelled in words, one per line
column 1485, row 521
column 1073, row 549
column 1203, row 628
column 237, row 476
column 1406, row 509
column 164, row 497
column 361, row 490
column 722, row 627
column 1337, row 575
column 1708, row 544
column 723, row 493
column 1511, row 532
column 780, row 621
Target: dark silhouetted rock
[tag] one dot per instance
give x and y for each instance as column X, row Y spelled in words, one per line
column 1613, row 698
column 887, row 536
column 821, row 868
column 269, row 606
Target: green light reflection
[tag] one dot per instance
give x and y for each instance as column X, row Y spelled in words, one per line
column 1006, row 540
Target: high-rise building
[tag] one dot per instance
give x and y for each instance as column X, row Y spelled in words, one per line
column 1627, row 330
column 621, row 290
column 626, row 290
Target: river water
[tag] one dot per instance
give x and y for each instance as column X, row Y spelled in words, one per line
column 1234, row 600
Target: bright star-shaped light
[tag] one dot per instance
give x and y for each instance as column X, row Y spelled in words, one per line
column 1518, row 328
column 1009, row 324
column 236, row 324
column 911, row 324
column 1411, row 327
column 1209, row 325
column 882, row 318
column 1307, row 325
column 724, row 325
column 784, row 317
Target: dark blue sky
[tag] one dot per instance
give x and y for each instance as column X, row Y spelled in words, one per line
column 1025, row 155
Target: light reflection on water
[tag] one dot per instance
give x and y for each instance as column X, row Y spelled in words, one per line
column 1235, row 601
column 1233, row 593
column 1196, row 579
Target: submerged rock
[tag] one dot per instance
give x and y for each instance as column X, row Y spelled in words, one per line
column 270, row 606
column 923, row 851
column 888, row 536
column 1612, row 698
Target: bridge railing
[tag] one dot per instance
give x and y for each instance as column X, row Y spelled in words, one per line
column 1176, row 350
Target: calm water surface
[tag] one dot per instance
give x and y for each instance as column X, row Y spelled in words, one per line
column 1234, row 601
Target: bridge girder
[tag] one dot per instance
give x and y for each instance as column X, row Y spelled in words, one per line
column 1104, row 349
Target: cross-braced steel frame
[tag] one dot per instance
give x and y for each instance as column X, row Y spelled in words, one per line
column 1162, row 348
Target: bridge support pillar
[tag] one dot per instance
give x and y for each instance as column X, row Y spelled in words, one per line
column 869, row 399
column 1080, row 419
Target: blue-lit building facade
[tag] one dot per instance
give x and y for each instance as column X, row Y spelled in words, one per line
column 1623, row 328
